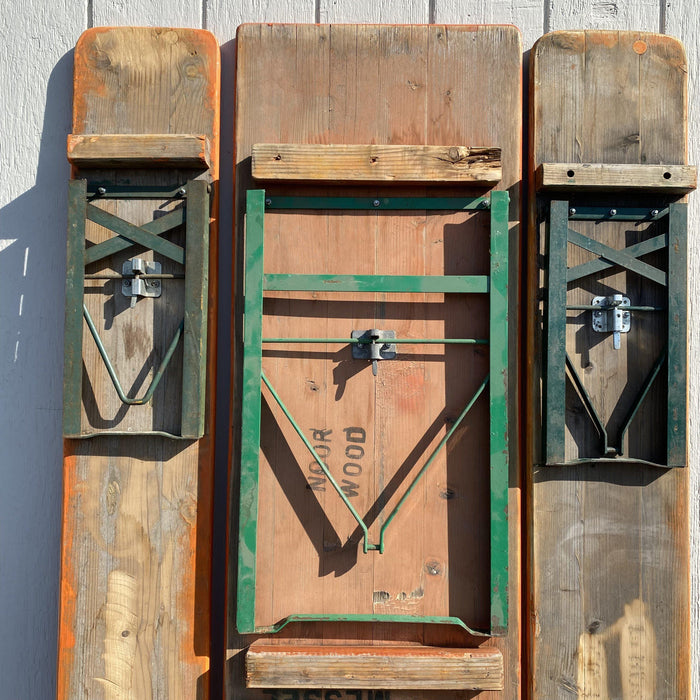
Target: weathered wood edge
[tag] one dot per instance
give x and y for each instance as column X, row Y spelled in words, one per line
column 370, row 667
column 376, row 163
column 674, row 179
column 131, row 150
column 531, row 441
column 201, row 541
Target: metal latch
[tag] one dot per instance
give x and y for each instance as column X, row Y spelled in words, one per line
column 611, row 317
column 371, row 346
column 134, row 285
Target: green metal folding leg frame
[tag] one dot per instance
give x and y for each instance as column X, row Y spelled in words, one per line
column 674, row 356
column 495, row 285
column 193, row 328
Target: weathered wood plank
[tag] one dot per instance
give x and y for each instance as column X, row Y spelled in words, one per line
column 376, row 163
column 135, row 605
column 608, row 542
column 133, row 150
column 674, row 179
column 388, row 86
column 372, row 667
column 680, row 21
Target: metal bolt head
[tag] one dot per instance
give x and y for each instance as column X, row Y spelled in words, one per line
column 572, row 211
column 101, row 190
column 268, row 202
column 182, row 192
column 376, row 203
column 485, row 204
column 155, row 283
column 654, row 212
column 127, row 283
column 613, row 212
column 597, row 313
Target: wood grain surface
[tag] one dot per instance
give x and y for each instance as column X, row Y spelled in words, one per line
column 135, row 592
column 384, row 85
column 374, row 163
column 608, row 543
column 367, row 667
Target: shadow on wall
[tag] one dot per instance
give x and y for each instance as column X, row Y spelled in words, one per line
column 32, row 272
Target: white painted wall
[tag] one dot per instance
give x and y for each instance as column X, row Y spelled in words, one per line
column 36, row 40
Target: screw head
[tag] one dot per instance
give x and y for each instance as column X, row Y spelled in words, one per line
column 654, row 212
column 155, row 283
column 376, row 203
column 182, row 192
column 613, row 212
column 127, row 283
column 101, row 190
column 268, row 202
column 572, row 211
column 485, row 204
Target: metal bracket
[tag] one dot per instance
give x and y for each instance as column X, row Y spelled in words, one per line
column 134, row 286
column 371, row 346
column 612, row 317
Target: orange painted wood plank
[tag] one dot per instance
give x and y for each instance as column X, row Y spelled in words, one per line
column 389, row 86
column 137, row 516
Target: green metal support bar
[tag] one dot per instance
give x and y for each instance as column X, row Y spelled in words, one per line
column 250, row 411
column 674, row 279
column 426, row 620
column 394, row 341
column 379, row 204
column 73, row 335
column 194, row 213
column 495, row 284
column 498, row 387
column 112, row 373
column 428, row 462
column 585, row 397
column 194, row 349
column 117, row 244
column 452, row 284
column 555, row 378
column 677, row 334
column 365, row 532
column 593, row 267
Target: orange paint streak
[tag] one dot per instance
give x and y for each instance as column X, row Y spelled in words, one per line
column 67, row 605
column 376, row 651
column 193, row 589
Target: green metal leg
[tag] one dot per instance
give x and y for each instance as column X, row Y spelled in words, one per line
column 677, row 331
column 497, row 287
column 250, row 415
column 555, row 377
column 73, row 334
column 194, row 357
column 498, row 387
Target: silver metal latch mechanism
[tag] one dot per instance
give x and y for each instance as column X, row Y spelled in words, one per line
column 135, row 282
column 371, row 345
column 612, row 316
